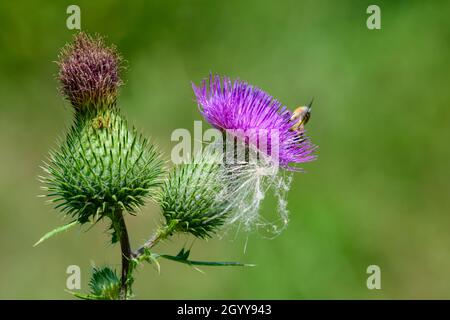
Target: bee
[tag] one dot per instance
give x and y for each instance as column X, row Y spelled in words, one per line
column 301, row 116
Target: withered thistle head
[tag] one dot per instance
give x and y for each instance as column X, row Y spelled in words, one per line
column 89, row 72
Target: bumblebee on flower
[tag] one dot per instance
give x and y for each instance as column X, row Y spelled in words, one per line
column 266, row 131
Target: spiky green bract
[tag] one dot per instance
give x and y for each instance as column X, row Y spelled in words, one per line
column 193, row 198
column 104, row 284
column 102, row 167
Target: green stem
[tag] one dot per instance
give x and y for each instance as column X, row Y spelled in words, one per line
column 160, row 234
column 125, row 248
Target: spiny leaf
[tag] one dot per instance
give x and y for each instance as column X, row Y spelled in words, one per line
column 183, row 256
column 85, row 296
column 56, row 231
column 207, row 263
column 147, row 256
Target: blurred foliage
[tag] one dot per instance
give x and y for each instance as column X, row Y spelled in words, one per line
column 377, row 195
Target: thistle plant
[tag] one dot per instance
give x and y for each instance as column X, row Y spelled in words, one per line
column 103, row 169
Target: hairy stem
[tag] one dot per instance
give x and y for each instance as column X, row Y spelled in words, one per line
column 160, row 234
column 150, row 243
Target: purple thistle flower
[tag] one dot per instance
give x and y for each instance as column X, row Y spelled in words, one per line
column 239, row 106
column 89, row 72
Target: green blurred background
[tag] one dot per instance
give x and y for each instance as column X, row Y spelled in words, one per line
column 378, row 194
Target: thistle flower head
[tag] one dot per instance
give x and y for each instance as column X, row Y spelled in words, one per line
column 102, row 167
column 239, row 106
column 89, row 72
column 193, row 198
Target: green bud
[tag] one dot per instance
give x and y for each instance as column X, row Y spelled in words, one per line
column 193, row 198
column 104, row 284
column 102, row 167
